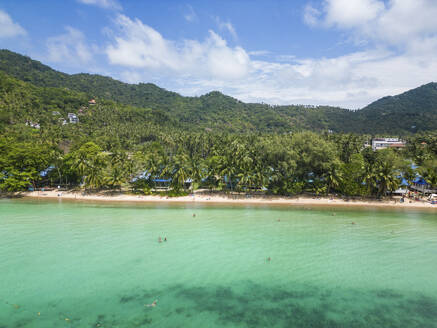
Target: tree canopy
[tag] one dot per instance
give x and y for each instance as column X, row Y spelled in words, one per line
column 138, row 136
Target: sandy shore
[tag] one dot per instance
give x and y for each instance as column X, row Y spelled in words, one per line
column 200, row 197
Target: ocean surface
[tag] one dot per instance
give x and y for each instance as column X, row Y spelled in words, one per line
column 67, row 264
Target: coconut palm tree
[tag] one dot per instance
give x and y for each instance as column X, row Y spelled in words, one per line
column 178, row 170
column 429, row 171
column 116, row 177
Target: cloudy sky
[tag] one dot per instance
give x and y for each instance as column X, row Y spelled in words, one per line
column 335, row 52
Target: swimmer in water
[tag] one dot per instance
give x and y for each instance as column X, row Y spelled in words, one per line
column 165, row 238
column 353, row 223
column 194, row 215
column 159, row 239
column 153, row 304
column 269, row 259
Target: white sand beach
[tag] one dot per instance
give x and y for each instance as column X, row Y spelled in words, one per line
column 202, row 197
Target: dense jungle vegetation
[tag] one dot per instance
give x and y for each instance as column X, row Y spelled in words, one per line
column 411, row 112
column 137, row 134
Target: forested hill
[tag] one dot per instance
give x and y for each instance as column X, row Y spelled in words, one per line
column 412, row 111
column 114, row 125
column 32, row 71
column 212, row 111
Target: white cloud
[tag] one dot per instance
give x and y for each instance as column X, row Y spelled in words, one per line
column 69, row 48
column 351, row 81
column 399, row 42
column 406, row 21
column 227, row 26
column 285, row 58
column 311, row 15
column 8, row 28
column 140, row 46
column 259, row 53
column 394, row 57
column 350, row 13
column 107, row 4
column 396, row 22
column 190, row 15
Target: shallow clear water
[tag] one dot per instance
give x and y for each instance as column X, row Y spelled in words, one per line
column 96, row 265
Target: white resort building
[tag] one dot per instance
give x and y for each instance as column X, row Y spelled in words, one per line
column 73, row 118
column 382, row 143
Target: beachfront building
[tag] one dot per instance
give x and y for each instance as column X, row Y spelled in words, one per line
column 382, row 143
column 146, row 180
column 421, row 185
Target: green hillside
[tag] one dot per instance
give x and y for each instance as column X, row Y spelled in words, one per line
column 28, row 70
column 411, row 112
column 247, row 147
column 23, row 103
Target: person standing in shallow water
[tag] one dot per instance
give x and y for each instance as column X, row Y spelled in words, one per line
column 159, row 239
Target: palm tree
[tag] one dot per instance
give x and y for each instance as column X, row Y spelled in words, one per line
column 387, row 179
column 384, row 172
column 178, row 171
column 408, row 171
column 246, row 174
column 429, row 171
column 197, row 170
column 334, row 177
column 116, row 177
column 370, row 178
column 153, row 164
column 94, row 178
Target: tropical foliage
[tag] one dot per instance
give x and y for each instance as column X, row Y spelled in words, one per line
column 411, row 112
column 286, row 164
column 213, row 141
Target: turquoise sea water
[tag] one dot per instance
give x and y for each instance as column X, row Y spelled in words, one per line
column 72, row 264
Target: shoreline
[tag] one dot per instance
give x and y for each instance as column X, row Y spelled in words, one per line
column 201, row 198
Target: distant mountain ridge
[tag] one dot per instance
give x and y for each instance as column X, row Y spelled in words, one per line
column 32, row 71
column 412, row 111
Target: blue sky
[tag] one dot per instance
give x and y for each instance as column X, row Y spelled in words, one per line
column 335, row 52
